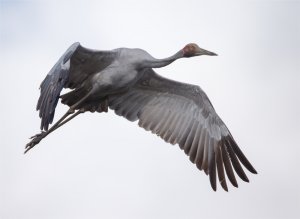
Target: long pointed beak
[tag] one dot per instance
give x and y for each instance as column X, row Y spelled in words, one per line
column 205, row 52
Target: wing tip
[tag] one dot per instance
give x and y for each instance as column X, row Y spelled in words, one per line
column 224, row 186
column 254, row 171
column 214, row 187
column 51, row 87
column 242, row 158
column 245, row 179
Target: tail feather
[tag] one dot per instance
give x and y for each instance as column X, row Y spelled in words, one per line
column 73, row 96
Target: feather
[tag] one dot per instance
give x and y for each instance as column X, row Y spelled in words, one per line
column 228, row 167
column 190, row 137
column 204, row 165
column 212, row 165
column 194, row 145
column 240, row 155
column 200, row 150
column 236, row 165
column 220, row 168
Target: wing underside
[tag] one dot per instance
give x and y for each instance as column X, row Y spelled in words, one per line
column 182, row 114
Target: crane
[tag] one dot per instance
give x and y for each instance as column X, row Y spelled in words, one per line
column 123, row 80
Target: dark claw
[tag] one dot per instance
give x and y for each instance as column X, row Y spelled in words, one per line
column 35, row 140
column 37, row 135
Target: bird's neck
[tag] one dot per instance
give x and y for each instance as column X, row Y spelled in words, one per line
column 158, row 63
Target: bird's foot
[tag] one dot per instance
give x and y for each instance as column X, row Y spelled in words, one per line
column 35, row 140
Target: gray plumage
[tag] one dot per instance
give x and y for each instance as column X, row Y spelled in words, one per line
column 123, row 80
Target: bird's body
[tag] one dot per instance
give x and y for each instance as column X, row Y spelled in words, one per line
column 123, row 80
column 122, row 73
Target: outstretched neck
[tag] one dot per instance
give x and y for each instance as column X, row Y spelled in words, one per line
column 158, row 63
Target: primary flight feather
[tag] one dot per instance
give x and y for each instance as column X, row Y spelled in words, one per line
column 124, row 80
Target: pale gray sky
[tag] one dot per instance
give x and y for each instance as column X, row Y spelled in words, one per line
column 101, row 165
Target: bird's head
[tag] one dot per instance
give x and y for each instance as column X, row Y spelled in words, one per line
column 192, row 49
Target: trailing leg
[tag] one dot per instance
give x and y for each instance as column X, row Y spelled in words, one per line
column 63, row 120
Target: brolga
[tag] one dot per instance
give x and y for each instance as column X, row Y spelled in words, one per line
column 123, row 80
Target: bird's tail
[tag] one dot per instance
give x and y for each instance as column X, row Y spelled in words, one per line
column 73, row 97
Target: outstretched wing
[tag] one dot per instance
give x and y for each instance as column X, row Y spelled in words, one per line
column 70, row 71
column 182, row 114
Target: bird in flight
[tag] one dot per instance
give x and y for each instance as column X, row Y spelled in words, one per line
column 123, row 80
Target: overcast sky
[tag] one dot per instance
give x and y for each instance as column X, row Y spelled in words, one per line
column 101, row 165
